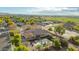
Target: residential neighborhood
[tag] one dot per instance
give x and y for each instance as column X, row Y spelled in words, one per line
column 39, row 29
column 18, row 34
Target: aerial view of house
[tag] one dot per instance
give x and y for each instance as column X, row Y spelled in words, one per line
column 39, row 29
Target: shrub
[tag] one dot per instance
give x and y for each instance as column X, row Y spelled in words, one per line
column 69, row 25
column 1, row 21
column 50, row 29
column 77, row 42
column 57, row 43
column 72, row 48
column 71, row 38
column 28, row 28
column 38, row 46
column 11, row 33
column 30, row 21
column 74, row 40
column 21, row 48
column 64, row 43
column 76, row 27
column 59, row 30
column 16, row 41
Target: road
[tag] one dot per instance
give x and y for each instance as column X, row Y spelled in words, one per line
column 4, row 45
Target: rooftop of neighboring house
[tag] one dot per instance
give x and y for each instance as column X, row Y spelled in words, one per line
column 35, row 34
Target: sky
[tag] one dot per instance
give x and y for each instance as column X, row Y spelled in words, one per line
column 41, row 10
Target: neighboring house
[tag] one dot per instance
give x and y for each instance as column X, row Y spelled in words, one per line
column 20, row 23
column 35, row 34
column 4, row 34
column 3, row 29
column 45, row 23
column 31, row 27
column 12, row 27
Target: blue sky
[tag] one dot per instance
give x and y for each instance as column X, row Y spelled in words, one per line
column 41, row 10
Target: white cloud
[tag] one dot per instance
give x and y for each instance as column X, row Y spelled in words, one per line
column 53, row 8
column 42, row 10
column 57, row 11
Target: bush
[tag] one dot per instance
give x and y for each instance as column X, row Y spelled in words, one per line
column 38, row 46
column 21, row 48
column 69, row 25
column 72, row 48
column 1, row 21
column 57, row 43
column 77, row 42
column 16, row 41
column 64, row 43
column 31, row 21
column 28, row 28
column 59, row 30
column 50, row 29
column 71, row 38
column 76, row 27
column 74, row 40
column 11, row 33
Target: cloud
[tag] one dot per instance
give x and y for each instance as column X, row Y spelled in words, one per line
column 58, row 11
column 41, row 10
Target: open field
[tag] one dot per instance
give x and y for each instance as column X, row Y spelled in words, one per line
column 63, row 18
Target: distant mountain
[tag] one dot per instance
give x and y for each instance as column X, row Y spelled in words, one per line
column 4, row 13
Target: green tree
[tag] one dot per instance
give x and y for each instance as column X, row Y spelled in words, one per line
column 31, row 21
column 11, row 33
column 21, row 48
column 59, row 29
column 72, row 48
column 57, row 43
column 1, row 20
column 21, row 19
column 64, row 43
column 16, row 40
